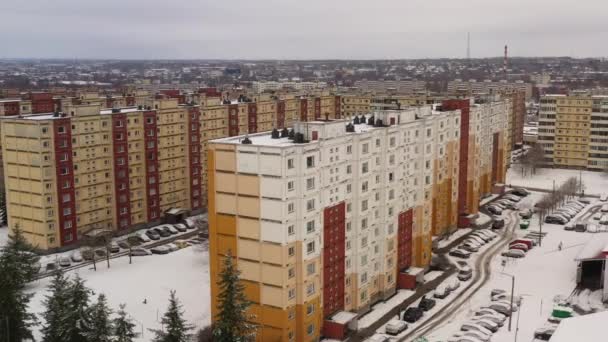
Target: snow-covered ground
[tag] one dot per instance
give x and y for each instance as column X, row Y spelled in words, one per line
column 545, row 272
column 150, row 278
column 453, row 237
column 594, row 183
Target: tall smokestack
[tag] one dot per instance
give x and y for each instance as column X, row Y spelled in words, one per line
column 505, row 61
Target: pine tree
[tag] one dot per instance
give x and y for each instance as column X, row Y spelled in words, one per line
column 101, row 325
column 56, row 327
column 17, row 268
column 124, row 328
column 79, row 315
column 233, row 322
column 176, row 329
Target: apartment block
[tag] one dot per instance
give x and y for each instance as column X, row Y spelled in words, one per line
column 487, row 87
column 484, row 151
column 323, row 219
column 86, row 169
column 573, row 131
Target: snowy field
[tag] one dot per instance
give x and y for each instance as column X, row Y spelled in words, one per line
column 594, row 182
column 543, row 274
column 150, row 278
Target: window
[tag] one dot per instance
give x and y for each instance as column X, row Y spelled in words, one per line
column 365, row 148
column 292, row 293
column 291, row 230
column 291, row 251
column 310, row 226
column 310, row 309
column 363, row 281
column 290, row 186
column 67, row 211
column 67, row 224
column 290, row 164
column 364, row 225
column 65, row 171
column 61, row 129
column 290, row 207
column 365, row 167
column 310, row 289
column 310, row 205
column 66, row 198
column 310, row 183
column 310, row 330
column 349, row 169
column 66, row 184
column 310, row 162
column 310, row 247
column 364, row 205
column 349, row 149
column 291, row 273
column 310, row 268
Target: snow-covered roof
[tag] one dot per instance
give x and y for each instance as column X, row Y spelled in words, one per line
column 596, row 248
column 343, row 317
column 588, row 328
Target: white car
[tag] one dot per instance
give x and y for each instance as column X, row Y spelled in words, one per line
column 468, row 336
column 76, row 256
column 470, row 326
column 497, row 318
column 172, row 247
column 603, row 197
column 143, row 237
column 488, row 324
column 65, row 262
column 488, row 312
column 395, row 327
column 514, row 253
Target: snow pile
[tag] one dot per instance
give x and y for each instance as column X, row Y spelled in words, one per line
column 383, row 308
column 593, row 182
column 453, row 236
column 587, row 301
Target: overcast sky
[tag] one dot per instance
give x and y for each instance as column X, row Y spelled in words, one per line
column 301, row 29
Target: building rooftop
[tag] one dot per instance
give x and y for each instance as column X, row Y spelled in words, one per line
column 588, row 328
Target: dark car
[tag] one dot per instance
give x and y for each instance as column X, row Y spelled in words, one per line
column 153, row 234
column 123, row 244
column 162, row 232
column 412, row 314
column 555, row 219
column 168, row 230
column 160, row 250
column 494, row 210
column 426, row 304
column 460, row 253
column 520, row 192
column 498, row 223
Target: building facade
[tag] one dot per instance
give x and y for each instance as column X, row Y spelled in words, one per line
column 573, row 131
column 321, row 226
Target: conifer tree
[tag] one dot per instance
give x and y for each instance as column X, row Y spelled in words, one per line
column 18, row 266
column 175, row 327
column 56, row 327
column 233, row 322
column 124, row 328
column 79, row 314
column 101, row 328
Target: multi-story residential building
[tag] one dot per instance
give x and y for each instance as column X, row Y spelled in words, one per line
column 394, row 87
column 322, row 224
column 573, row 131
column 487, row 87
column 481, row 164
column 67, row 174
column 260, row 87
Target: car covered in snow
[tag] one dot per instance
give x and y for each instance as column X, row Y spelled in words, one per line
column 465, row 274
column 395, row 327
column 460, row 253
column 65, row 262
column 497, row 318
column 76, row 256
column 160, row 250
column 545, row 333
column 470, row 326
column 441, row 291
column 138, row 251
column 520, row 246
column 520, row 192
column 181, row 227
column 514, row 253
column 488, row 324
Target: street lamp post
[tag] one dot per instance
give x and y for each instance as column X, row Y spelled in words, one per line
column 512, row 294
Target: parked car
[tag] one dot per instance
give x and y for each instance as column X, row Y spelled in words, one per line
column 76, row 256
column 498, row 223
column 519, row 246
column 181, row 243
column 460, row 253
column 580, row 227
column 123, row 244
column 87, row 253
column 584, row 200
column 395, row 327
column 555, row 219
column 488, row 312
column 412, row 314
column 378, row 338
column 520, row 192
column 163, row 231
column 604, row 208
column 181, row 227
column 152, row 234
column 65, row 262
column 469, row 247
column 476, row 327
column 474, row 242
column 101, row 252
column 479, row 239
column 468, row 336
column 171, row 229
column 569, row 226
column 545, row 333
column 140, row 237
column 597, row 217
column 501, row 308
column 465, row 274
column 160, row 250
column 494, row 210
column 426, row 304
column 441, row 291
column 113, row 247
column 604, row 219
column 507, row 297
column 493, row 327
column 453, row 284
column 514, row 253
column 497, row 318
column 138, row 251
column 172, row 247
column 50, row 266
column 603, row 197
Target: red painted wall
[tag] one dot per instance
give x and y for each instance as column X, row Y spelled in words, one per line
column 252, row 117
column 317, row 108
column 333, row 258
column 151, row 141
column 405, row 224
column 12, row 108
column 281, row 114
column 121, row 170
column 65, row 182
column 303, row 110
column 338, row 105
column 233, row 120
column 464, row 106
column 495, row 160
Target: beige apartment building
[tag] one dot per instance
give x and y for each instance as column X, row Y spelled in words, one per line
column 323, row 224
column 573, row 131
